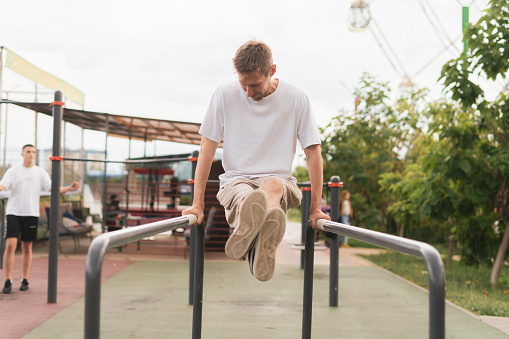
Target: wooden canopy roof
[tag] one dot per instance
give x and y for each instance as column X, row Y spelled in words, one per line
column 122, row 125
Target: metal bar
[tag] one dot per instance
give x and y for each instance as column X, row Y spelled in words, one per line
column 307, row 310
column 64, row 129
column 1, row 108
column 305, row 206
column 95, row 260
column 141, row 161
column 193, row 235
column 2, row 233
column 127, row 171
column 1, row 72
column 35, row 134
column 4, row 168
column 434, row 265
column 334, row 246
column 83, row 165
column 58, row 111
column 105, row 175
column 198, row 280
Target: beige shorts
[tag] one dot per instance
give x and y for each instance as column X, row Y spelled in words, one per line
column 232, row 194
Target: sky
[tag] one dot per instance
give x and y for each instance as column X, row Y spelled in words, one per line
column 163, row 59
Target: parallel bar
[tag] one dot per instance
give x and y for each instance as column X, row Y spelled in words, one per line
column 193, row 236
column 434, row 265
column 307, row 310
column 198, row 280
column 334, row 246
column 305, row 206
column 95, row 260
column 197, row 263
column 58, row 112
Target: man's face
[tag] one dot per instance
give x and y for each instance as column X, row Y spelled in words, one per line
column 28, row 154
column 255, row 84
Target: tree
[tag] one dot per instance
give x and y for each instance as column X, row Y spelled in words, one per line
column 460, row 188
column 405, row 189
column 487, row 55
column 372, row 140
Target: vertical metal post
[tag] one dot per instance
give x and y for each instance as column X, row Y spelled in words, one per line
column 127, row 192
column 334, row 245
column 1, row 70
column 198, row 280
column 35, row 135
column 305, row 205
column 83, row 163
column 2, row 233
column 198, row 263
column 1, row 108
column 1, row 92
column 144, row 178
column 193, row 233
column 1, row 96
column 4, row 168
column 436, row 279
column 64, row 128
column 58, row 110
column 105, row 184
column 307, row 311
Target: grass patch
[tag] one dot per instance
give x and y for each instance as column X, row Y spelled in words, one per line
column 466, row 286
column 357, row 243
column 294, row 215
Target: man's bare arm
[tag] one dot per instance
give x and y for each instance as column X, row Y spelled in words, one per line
column 72, row 187
column 315, row 167
column 205, row 158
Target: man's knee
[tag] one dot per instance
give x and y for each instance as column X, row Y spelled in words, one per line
column 26, row 246
column 273, row 185
column 11, row 244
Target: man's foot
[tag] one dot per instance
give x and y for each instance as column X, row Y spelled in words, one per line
column 24, row 285
column 262, row 256
column 251, row 217
column 7, row 287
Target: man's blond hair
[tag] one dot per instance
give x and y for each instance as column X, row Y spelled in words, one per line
column 253, row 56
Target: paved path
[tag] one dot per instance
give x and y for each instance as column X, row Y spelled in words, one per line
column 21, row 312
column 148, row 298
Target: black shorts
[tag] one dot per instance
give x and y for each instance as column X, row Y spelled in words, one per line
column 27, row 226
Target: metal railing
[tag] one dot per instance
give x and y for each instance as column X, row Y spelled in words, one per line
column 434, row 265
column 95, row 260
column 419, row 249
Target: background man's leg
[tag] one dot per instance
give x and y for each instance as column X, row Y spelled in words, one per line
column 10, row 248
column 26, row 250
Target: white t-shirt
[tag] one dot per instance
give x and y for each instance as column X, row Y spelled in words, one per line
column 259, row 137
column 25, row 184
column 346, row 208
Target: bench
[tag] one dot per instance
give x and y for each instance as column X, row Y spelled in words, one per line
column 70, row 226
